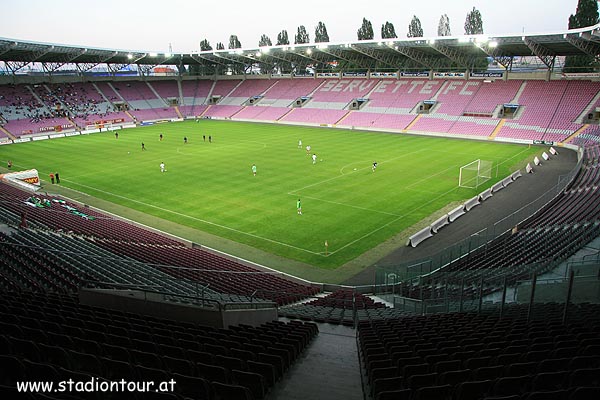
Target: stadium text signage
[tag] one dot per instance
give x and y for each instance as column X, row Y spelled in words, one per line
column 384, row 74
column 355, row 74
column 415, row 74
column 487, row 74
column 449, row 74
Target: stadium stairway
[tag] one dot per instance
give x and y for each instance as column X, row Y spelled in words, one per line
column 576, row 133
column 497, row 129
column 7, row 133
column 328, row 369
column 178, row 112
column 414, row 121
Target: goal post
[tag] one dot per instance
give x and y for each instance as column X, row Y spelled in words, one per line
column 474, row 174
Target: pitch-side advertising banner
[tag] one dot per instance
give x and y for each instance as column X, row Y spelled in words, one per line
column 29, row 179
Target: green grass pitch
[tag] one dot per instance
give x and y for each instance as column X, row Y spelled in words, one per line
column 211, row 187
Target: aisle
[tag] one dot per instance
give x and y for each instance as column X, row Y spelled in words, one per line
column 328, row 369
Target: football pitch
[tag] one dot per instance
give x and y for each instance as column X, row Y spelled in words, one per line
column 210, row 186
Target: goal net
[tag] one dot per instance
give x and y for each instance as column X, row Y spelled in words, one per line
column 474, row 174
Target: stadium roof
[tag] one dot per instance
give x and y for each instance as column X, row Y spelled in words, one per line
column 386, row 54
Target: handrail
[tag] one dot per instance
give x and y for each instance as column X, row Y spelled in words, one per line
column 486, row 235
column 221, row 306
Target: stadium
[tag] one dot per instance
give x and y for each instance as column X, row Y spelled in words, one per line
column 411, row 218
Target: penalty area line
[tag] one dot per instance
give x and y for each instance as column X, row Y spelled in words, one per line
column 197, row 219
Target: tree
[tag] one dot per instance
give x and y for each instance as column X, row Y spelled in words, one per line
column 264, row 67
column 220, row 46
column 234, row 43
column 414, row 28
column 366, row 30
column 586, row 15
column 264, row 41
column 388, row 31
column 473, row 23
column 301, row 36
column 444, row 26
column 205, row 45
column 203, row 69
column 321, row 34
column 282, row 38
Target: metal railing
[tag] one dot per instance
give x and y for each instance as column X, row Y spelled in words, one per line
column 187, row 299
column 465, row 247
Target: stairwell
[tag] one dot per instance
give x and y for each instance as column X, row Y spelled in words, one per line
column 440, row 90
column 287, row 113
column 576, row 133
column 101, row 93
column 328, row 369
column 270, row 87
column 339, row 121
column 38, row 98
column 414, row 121
column 515, row 100
column 180, row 91
column 178, row 112
column 587, row 109
column 156, row 93
column 7, row 133
column 117, row 92
column 205, row 111
column 497, row 129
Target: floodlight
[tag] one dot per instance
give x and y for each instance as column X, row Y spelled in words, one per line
column 130, row 56
column 308, row 51
column 493, row 44
column 168, row 55
column 153, row 54
column 257, row 54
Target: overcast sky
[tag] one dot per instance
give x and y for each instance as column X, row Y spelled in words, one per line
column 153, row 25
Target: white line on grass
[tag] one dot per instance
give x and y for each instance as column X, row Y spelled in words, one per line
column 295, row 192
column 389, row 223
column 351, row 206
column 406, row 214
column 196, row 219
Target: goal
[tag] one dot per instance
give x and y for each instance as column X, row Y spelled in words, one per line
column 474, row 174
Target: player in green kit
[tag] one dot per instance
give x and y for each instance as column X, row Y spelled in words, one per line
column 254, row 169
column 299, row 207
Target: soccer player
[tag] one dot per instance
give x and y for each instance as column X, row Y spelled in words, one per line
column 314, row 157
column 185, row 140
column 143, row 146
column 116, row 135
column 308, row 150
column 162, row 167
column 374, row 165
column 254, row 169
column 299, row 143
column 299, row 207
column 209, row 139
column 161, row 137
